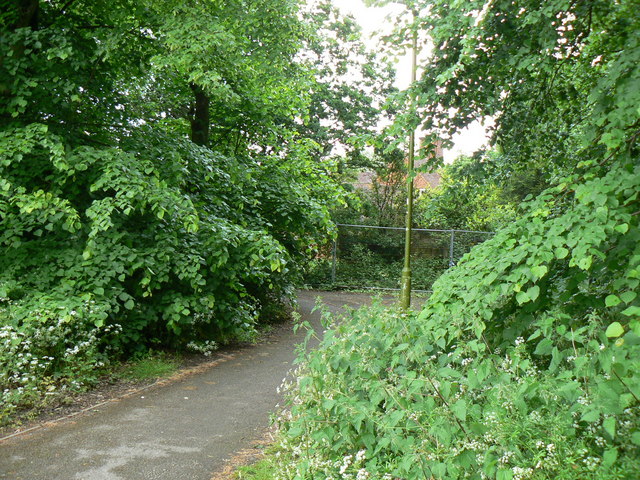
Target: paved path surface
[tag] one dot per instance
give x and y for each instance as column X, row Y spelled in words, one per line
column 186, row 429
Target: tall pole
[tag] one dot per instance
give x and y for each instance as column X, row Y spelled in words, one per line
column 334, row 261
column 405, row 293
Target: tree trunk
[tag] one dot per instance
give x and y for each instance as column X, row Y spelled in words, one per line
column 200, row 117
column 26, row 14
column 21, row 14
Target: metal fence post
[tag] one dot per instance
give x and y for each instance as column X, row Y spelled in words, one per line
column 334, row 261
column 453, row 232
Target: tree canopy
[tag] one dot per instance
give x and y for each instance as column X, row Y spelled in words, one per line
column 164, row 170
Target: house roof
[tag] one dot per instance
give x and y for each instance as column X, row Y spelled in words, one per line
column 422, row 181
column 427, row 180
column 365, row 179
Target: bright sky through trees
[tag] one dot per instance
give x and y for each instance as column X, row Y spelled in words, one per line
column 374, row 20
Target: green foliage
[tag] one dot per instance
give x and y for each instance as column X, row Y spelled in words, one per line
column 349, row 85
column 108, row 211
column 373, row 257
column 475, row 194
column 58, row 349
column 241, row 57
column 524, row 363
column 262, row 470
column 525, row 360
column 362, row 267
column 382, row 399
column 384, row 203
column 150, row 366
column 172, row 251
column 556, row 76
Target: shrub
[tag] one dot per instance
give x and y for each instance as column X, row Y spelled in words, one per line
column 44, row 350
column 364, row 268
column 172, row 245
column 525, row 362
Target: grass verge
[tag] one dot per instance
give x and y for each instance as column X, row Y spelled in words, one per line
column 152, row 365
column 262, row 470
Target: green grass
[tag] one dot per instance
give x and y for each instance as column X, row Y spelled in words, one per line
column 262, row 470
column 153, row 365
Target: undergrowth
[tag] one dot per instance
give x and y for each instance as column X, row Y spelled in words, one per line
column 150, row 366
column 262, row 470
column 524, row 363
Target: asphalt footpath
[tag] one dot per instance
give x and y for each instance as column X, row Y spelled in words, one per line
column 187, row 428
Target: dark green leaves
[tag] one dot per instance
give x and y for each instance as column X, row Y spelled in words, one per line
column 105, row 205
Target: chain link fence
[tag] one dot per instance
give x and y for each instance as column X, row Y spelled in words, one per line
column 371, row 257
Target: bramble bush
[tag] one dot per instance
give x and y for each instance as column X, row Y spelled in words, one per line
column 363, row 268
column 367, row 258
column 163, row 163
column 524, row 363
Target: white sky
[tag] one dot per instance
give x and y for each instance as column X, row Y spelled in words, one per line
column 373, row 20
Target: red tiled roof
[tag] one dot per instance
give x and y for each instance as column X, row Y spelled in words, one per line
column 427, row 180
column 422, row 181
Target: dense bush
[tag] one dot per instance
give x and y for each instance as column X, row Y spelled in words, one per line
column 171, row 251
column 374, row 258
column 57, row 347
column 524, row 363
column 365, row 269
column 475, row 194
column 158, row 188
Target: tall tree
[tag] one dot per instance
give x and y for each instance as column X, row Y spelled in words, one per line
column 547, row 69
column 238, row 60
column 350, row 84
column 151, row 183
